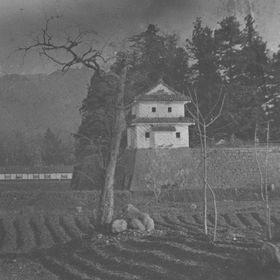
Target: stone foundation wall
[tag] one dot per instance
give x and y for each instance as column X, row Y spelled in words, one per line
column 227, row 167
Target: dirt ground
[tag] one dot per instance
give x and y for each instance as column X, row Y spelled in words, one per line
column 52, row 245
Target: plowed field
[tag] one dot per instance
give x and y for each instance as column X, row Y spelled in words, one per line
column 68, row 247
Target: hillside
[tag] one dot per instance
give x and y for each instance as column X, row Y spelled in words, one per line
column 32, row 103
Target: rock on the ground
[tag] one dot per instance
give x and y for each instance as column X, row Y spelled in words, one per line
column 148, row 222
column 119, row 225
column 136, row 224
column 132, row 212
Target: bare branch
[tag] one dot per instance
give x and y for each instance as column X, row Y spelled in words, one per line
column 219, row 113
column 215, row 106
column 195, row 103
column 46, row 45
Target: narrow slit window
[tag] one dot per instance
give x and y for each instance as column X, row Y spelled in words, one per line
column 154, row 109
column 178, row 135
column 169, row 109
column 147, row 134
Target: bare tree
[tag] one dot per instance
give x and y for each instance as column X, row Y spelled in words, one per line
column 258, row 162
column 267, row 205
column 157, row 176
column 77, row 52
column 203, row 123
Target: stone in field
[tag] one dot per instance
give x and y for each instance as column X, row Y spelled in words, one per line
column 132, row 212
column 148, row 222
column 136, row 224
column 119, row 225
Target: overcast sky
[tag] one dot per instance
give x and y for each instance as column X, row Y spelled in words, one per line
column 116, row 19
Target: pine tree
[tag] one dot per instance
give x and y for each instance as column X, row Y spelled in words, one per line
column 205, row 77
column 98, row 111
column 247, row 78
column 272, row 105
column 228, row 40
column 157, row 56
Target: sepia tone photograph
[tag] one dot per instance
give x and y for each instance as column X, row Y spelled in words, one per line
column 139, row 140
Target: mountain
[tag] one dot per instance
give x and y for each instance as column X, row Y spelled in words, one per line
column 33, row 103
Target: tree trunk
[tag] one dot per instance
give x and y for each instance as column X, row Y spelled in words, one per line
column 106, row 206
column 205, row 210
column 267, row 206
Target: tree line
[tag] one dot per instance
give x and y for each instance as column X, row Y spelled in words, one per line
column 232, row 58
column 16, row 148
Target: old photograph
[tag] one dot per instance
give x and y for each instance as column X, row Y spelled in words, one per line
column 139, row 139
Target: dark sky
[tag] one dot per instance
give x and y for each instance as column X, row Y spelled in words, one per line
column 116, row 19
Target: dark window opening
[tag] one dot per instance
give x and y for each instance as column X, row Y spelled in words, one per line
column 169, row 109
column 64, row 176
column 147, row 135
column 178, row 135
column 154, row 109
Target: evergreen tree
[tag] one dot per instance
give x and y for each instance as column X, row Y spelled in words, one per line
column 228, row 40
column 246, row 74
column 205, row 77
column 272, row 106
column 157, row 56
column 98, row 111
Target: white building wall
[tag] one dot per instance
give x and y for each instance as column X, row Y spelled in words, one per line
column 183, row 141
column 144, row 109
column 160, row 138
column 163, row 138
column 141, row 140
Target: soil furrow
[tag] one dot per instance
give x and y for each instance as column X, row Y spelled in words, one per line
column 2, row 233
column 56, row 236
column 155, row 257
column 93, row 268
column 172, row 223
column 83, row 224
column 197, row 219
column 228, row 220
column 243, row 220
column 10, row 239
column 178, row 250
column 140, row 269
column 69, row 227
column 41, row 232
column 19, row 238
column 63, row 270
column 258, row 218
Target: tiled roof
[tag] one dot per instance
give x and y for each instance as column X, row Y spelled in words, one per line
column 162, row 120
column 163, row 128
column 35, row 169
column 162, row 92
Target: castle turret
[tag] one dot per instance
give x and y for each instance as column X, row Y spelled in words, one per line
column 159, row 119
